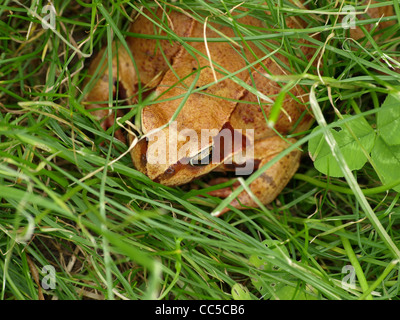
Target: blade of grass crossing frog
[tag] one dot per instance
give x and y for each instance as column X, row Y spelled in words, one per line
column 349, row 176
column 278, row 104
column 181, row 105
column 227, row 74
column 224, row 71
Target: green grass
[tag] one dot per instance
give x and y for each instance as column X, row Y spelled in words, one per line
column 110, row 232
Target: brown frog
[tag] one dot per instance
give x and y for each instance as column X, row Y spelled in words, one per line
column 194, row 92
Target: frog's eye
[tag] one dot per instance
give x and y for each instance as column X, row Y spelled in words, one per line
column 203, row 158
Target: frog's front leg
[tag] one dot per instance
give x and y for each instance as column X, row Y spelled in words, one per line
column 271, row 182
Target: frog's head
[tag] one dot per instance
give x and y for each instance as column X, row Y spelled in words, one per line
column 195, row 143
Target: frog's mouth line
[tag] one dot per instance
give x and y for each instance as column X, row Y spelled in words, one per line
column 219, row 155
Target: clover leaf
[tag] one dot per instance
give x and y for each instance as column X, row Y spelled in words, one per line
column 388, row 120
column 355, row 139
column 387, row 161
